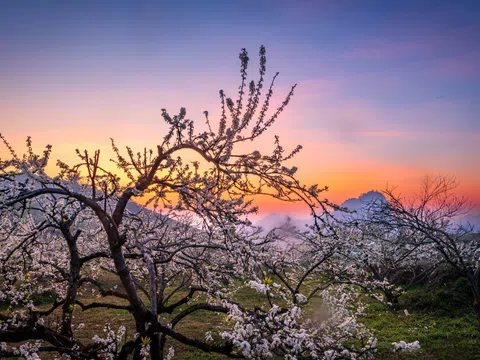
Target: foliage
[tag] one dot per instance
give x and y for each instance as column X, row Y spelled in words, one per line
column 448, row 299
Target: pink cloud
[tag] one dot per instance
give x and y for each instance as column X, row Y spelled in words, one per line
column 383, row 134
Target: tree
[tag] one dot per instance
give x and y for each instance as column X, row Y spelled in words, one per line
column 388, row 256
column 432, row 214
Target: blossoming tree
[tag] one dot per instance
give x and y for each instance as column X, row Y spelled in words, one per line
column 433, row 214
column 190, row 248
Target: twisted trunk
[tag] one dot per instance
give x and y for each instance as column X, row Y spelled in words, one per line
column 73, row 282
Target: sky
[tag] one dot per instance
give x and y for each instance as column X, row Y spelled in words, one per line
column 388, row 91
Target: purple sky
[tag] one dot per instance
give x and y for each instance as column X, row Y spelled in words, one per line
column 387, row 91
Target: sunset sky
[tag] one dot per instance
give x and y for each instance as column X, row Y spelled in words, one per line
column 388, row 91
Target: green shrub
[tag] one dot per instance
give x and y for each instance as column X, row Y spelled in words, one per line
column 453, row 297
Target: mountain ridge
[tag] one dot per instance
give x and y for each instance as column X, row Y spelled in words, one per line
column 356, row 205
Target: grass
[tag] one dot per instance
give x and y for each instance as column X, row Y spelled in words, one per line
column 442, row 336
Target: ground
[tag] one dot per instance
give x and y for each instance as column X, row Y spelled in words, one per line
column 442, row 336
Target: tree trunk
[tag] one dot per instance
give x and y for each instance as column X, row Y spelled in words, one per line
column 67, row 309
column 156, row 349
column 476, row 306
column 391, row 297
column 73, row 282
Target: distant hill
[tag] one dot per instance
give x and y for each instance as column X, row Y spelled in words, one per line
column 359, row 203
column 359, row 206
column 132, row 206
column 274, row 220
column 472, row 218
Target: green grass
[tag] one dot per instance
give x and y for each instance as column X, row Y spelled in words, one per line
column 442, row 336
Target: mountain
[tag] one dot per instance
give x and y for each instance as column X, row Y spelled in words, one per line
column 359, row 206
column 74, row 186
column 274, row 220
column 472, row 218
column 363, row 200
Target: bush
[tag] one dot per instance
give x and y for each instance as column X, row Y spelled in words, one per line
column 453, row 297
